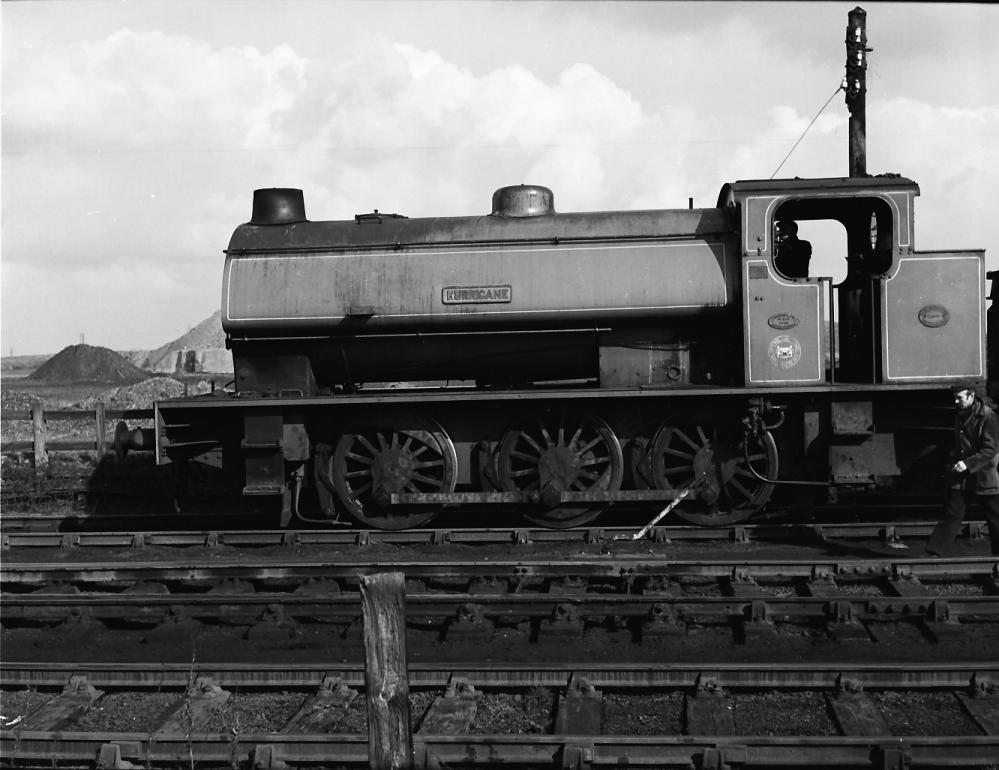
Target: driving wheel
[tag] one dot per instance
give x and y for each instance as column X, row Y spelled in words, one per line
column 560, row 452
column 728, row 490
column 370, row 465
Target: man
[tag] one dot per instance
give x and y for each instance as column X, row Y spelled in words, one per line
column 973, row 474
column 792, row 255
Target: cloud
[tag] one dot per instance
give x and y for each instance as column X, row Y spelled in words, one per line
column 149, row 91
column 144, row 148
column 130, row 158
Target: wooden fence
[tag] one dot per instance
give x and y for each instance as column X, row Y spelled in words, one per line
column 40, row 445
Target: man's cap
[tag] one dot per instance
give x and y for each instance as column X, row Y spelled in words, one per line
column 787, row 226
column 976, row 387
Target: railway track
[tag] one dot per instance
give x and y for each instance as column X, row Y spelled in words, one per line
column 574, row 627
column 896, row 534
column 711, row 716
column 635, row 599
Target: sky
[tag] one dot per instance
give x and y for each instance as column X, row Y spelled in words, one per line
column 133, row 133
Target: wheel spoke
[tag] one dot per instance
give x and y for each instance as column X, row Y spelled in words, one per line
column 522, row 456
column 687, row 440
column 678, row 453
column 547, row 437
column 738, row 485
column 594, row 461
column 540, row 449
column 357, row 474
column 421, row 449
column 425, row 479
column 363, row 441
column 524, row 473
column 701, row 435
column 588, row 446
column 359, row 458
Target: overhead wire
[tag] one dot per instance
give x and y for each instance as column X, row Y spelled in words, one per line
column 821, row 110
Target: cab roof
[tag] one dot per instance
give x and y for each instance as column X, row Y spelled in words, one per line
column 745, row 188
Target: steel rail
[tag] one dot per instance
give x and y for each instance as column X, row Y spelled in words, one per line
column 682, row 751
column 522, row 571
column 247, row 609
column 750, row 676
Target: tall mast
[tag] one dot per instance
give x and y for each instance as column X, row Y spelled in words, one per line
column 855, row 85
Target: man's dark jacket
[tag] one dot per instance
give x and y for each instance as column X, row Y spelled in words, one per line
column 793, row 255
column 977, row 443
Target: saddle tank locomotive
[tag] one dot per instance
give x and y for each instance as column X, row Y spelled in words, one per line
column 561, row 365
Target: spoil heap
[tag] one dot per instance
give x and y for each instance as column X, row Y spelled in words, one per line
column 143, row 394
column 202, row 349
column 86, row 363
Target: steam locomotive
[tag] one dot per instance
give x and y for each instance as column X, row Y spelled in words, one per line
column 562, row 365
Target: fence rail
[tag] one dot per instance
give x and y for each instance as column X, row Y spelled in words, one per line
column 40, row 446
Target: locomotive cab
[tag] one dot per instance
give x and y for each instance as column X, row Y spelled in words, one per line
column 898, row 315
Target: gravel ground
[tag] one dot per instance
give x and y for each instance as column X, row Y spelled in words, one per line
column 698, row 586
column 501, row 713
column 17, row 704
column 642, row 713
column 126, row 712
column 953, row 589
column 781, row 713
column 505, row 713
column 937, row 713
column 887, row 643
column 247, row 713
column 780, row 590
column 898, row 634
column 874, row 588
column 420, row 702
column 355, row 720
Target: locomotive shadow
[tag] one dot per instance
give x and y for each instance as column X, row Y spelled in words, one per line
column 136, row 494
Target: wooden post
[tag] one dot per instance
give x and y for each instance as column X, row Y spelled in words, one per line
column 856, row 89
column 390, row 739
column 101, row 428
column 38, row 430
